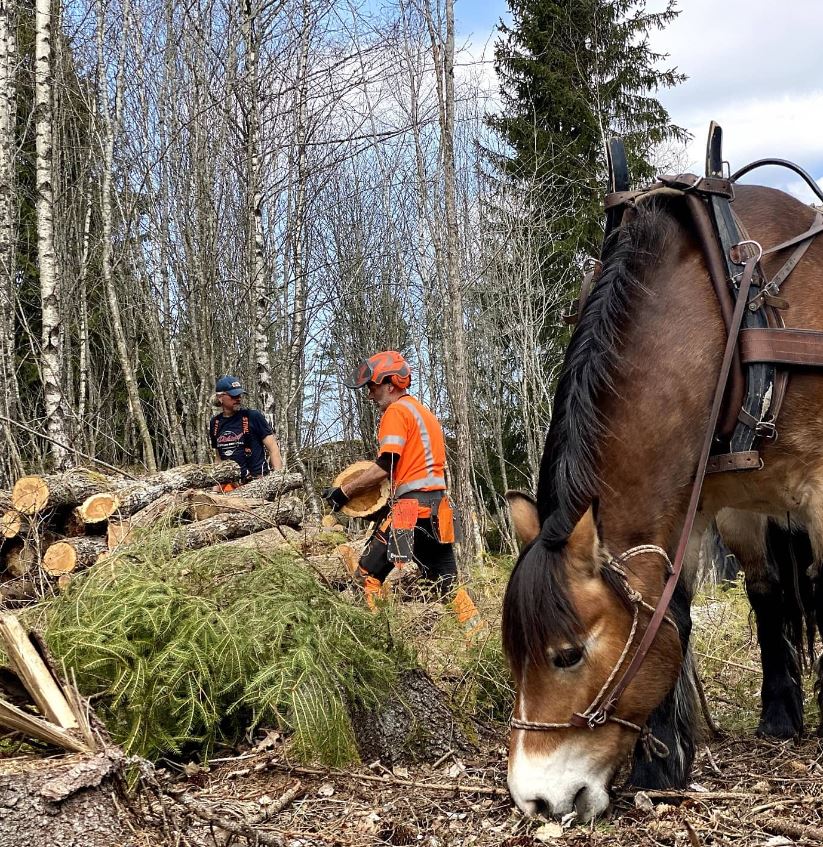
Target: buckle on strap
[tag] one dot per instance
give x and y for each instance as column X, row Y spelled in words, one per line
column 589, row 720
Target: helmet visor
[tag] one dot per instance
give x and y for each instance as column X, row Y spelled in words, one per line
column 360, row 376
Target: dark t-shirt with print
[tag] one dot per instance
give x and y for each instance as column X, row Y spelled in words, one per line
column 228, row 439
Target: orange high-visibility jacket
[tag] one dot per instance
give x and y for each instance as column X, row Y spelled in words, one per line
column 411, row 431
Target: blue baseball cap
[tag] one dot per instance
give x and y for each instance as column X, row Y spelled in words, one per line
column 229, row 385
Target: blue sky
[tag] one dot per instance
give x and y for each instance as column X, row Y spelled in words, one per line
column 753, row 66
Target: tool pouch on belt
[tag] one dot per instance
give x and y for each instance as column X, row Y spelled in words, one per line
column 401, row 531
column 446, row 521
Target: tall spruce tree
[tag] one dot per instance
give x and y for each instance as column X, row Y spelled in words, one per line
column 573, row 73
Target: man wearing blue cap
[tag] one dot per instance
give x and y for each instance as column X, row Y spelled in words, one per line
column 242, row 435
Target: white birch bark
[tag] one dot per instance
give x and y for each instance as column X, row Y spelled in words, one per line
column 297, row 338
column 457, row 360
column 8, row 213
column 83, row 366
column 50, row 290
column 259, row 277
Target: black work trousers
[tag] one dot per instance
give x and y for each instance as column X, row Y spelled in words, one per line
column 435, row 560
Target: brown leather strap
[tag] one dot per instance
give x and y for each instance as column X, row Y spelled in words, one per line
column 716, row 265
column 748, row 460
column 803, row 242
column 803, row 347
column 571, row 318
column 700, row 184
column 620, row 198
column 815, row 229
column 611, row 700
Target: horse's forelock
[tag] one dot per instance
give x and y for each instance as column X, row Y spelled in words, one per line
column 537, row 609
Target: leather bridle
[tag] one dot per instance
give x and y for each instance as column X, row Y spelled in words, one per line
column 595, row 715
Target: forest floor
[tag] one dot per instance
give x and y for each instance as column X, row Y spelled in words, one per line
column 745, row 791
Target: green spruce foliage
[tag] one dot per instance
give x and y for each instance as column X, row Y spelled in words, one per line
column 574, row 73
column 184, row 652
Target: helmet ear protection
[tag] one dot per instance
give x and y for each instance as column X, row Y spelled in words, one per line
column 400, row 382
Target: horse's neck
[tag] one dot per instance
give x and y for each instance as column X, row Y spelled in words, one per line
column 655, row 417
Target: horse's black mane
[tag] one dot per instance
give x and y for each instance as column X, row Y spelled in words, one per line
column 568, row 471
column 536, row 609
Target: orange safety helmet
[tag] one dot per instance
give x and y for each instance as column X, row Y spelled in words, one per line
column 380, row 367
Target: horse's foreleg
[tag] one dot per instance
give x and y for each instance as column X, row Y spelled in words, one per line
column 772, row 599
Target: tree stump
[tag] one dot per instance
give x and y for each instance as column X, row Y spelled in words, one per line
column 86, row 816
column 415, row 725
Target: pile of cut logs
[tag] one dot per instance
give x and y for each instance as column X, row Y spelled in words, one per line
column 54, row 526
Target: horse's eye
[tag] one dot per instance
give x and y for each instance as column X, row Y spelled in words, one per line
column 568, row 658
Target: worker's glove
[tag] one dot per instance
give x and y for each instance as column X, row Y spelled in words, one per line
column 336, row 498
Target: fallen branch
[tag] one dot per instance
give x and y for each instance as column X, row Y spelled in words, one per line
column 780, row 826
column 391, row 779
column 20, row 721
column 34, row 674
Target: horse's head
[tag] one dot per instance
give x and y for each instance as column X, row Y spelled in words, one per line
column 571, row 622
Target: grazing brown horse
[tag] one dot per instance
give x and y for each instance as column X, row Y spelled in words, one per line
column 630, row 414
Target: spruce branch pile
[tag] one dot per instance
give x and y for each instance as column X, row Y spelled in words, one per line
column 186, row 651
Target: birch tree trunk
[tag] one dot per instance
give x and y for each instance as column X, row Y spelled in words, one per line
column 110, row 126
column 255, row 246
column 83, row 367
column 8, row 215
column 297, row 338
column 52, row 327
column 457, row 360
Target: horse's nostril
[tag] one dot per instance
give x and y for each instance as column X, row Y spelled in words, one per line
column 580, row 801
column 541, row 807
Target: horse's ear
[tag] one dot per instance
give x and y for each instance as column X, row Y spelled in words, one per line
column 583, row 546
column 523, row 510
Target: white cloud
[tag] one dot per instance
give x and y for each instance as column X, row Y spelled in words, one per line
column 753, row 66
column 787, row 127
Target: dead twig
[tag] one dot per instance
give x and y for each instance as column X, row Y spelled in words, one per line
column 389, row 779
column 780, row 826
column 244, row 830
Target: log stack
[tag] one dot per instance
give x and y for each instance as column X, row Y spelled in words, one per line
column 54, row 526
